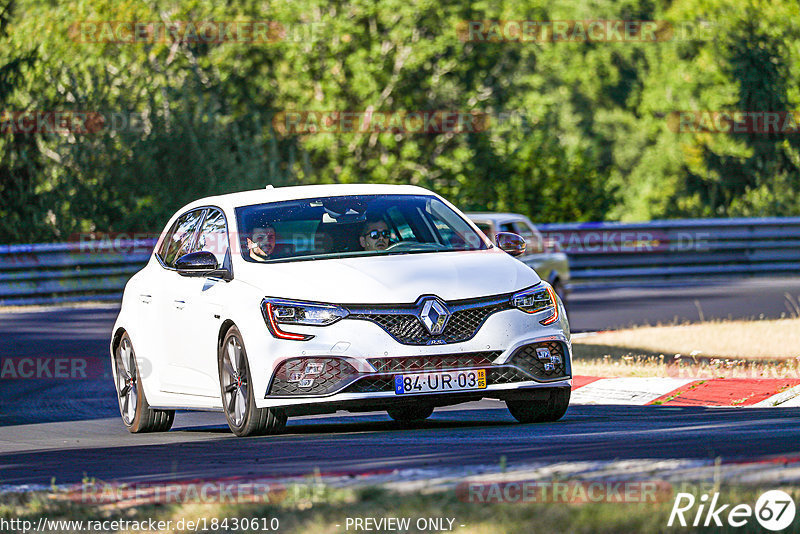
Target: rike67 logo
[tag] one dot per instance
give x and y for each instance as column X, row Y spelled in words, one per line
column 774, row 510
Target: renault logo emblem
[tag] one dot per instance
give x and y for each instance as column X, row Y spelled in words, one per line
column 434, row 315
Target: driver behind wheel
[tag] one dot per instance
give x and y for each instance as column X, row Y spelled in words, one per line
column 261, row 243
column 375, row 235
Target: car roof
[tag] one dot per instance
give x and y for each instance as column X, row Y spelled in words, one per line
column 279, row 194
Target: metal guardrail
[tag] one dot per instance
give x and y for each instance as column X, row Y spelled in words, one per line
column 635, row 254
column 601, row 255
column 69, row 272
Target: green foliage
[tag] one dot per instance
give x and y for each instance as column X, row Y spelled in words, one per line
column 578, row 131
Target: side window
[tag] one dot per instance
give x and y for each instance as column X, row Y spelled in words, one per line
column 506, row 227
column 179, row 242
column 162, row 250
column 213, row 236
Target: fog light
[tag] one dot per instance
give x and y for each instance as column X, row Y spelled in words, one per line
column 311, row 376
column 314, row 368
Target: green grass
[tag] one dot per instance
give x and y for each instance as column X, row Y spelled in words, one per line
column 320, row 511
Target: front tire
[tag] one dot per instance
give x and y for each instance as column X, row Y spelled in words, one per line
column 537, row 411
column 136, row 413
column 238, row 402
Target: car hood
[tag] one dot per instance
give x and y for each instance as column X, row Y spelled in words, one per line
column 394, row 279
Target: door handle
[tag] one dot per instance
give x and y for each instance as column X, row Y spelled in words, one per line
column 146, row 299
column 179, row 304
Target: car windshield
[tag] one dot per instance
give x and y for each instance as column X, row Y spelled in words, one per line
column 358, row 225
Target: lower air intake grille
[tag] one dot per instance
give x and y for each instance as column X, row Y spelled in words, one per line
column 434, row 363
column 505, row 375
column 311, row 376
column 544, row 361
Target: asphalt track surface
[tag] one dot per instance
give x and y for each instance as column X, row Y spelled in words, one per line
column 69, row 429
column 201, row 446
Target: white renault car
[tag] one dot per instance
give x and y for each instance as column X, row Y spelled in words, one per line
column 306, row 300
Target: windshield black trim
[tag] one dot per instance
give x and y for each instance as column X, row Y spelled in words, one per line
column 347, row 255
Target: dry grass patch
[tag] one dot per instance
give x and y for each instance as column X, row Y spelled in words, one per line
column 765, row 348
column 768, row 339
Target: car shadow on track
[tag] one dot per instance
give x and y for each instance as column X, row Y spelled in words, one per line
column 349, row 423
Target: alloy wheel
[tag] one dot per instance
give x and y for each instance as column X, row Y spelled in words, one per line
column 235, row 381
column 127, row 381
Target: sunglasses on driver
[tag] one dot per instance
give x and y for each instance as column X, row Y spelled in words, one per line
column 375, row 234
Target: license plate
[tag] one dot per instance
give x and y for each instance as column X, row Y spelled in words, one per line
column 442, row 381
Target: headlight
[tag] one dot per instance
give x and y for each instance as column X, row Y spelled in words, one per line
column 280, row 311
column 537, row 299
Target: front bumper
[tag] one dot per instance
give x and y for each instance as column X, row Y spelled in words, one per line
column 368, row 384
column 362, row 356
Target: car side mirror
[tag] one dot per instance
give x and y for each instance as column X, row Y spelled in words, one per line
column 202, row 263
column 512, row 243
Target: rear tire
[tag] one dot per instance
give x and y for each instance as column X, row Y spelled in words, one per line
column 410, row 414
column 537, row 411
column 238, row 401
column 137, row 416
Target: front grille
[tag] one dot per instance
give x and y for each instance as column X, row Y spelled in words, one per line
column 502, row 374
column 435, row 362
column 404, row 326
column 541, row 366
column 291, row 373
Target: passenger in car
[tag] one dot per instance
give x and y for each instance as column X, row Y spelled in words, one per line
column 261, row 243
column 375, row 235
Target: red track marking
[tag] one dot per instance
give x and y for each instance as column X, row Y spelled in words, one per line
column 580, row 381
column 677, row 393
column 782, row 459
column 727, row 392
